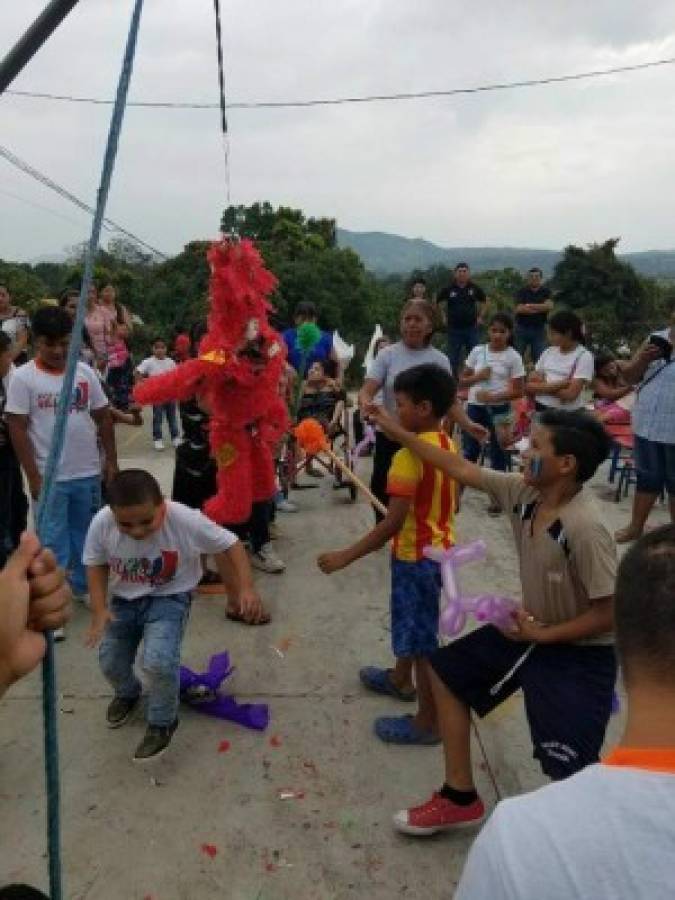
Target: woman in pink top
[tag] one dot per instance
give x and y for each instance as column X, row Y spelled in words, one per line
column 120, row 366
column 99, row 322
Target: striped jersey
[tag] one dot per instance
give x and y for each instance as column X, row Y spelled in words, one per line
column 430, row 519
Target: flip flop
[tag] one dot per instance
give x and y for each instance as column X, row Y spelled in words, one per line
column 237, row 617
column 402, row 730
column 379, row 681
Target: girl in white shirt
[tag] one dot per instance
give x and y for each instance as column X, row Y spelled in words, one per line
column 563, row 371
column 495, row 376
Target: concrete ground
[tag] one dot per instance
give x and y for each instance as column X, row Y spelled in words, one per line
column 204, row 822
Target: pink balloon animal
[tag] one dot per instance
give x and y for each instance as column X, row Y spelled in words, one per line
column 484, row 607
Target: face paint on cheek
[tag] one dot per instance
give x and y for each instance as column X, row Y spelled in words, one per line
column 536, row 466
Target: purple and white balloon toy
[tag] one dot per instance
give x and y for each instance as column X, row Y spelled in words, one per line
column 456, row 607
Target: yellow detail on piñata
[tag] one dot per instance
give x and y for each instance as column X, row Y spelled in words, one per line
column 225, row 456
column 220, row 357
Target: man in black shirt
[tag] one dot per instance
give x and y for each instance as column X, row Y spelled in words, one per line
column 466, row 304
column 533, row 304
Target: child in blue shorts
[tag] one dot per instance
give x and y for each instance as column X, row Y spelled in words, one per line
column 420, row 514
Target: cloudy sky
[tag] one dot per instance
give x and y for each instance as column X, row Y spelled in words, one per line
column 539, row 167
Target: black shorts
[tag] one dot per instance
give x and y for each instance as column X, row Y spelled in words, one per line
column 568, row 690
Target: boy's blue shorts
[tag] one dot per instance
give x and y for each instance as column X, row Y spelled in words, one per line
column 568, row 691
column 415, row 593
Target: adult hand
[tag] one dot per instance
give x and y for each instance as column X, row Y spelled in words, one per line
column 483, row 396
column 35, row 485
column 34, row 597
column 649, row 353
column 384, row 421
column 333, row 562
column 483, row 374
column 526, row 628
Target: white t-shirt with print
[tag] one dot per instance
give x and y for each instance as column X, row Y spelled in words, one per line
column 166, row 562
column 153, row 366
column 34, row 392
column 607, row 833
column 558, row 366
column 504, row 365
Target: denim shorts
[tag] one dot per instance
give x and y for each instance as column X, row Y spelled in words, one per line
column 415, row 594
column 654, row 466
column 568, row 691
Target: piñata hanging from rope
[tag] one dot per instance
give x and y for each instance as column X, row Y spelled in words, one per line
column 235, row 377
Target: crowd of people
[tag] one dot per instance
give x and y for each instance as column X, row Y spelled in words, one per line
column 523, row 385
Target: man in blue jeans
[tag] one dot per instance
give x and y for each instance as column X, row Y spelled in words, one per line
column 148, row 550
column 533, row 304
column 465, row 308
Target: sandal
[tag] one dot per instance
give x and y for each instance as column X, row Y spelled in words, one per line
column 402, row 730
column 379, row 681
column 238, row 617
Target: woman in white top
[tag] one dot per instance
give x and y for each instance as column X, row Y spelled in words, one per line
column 563, row 371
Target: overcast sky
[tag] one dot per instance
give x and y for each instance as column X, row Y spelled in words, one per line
column 539, row 167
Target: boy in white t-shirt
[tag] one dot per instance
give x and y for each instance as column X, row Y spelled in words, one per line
column 607, row 833
column 31, row 405
column 147, row 551
column 158, row 364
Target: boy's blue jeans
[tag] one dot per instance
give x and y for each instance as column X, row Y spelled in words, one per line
column 158, row 411
column 75, row 504
column 160, row 623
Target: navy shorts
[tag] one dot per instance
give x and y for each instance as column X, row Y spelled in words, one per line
column 654, row 466
column 415, row 593
column 568, row 690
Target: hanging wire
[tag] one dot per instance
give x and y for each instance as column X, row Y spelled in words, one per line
column 223, row 109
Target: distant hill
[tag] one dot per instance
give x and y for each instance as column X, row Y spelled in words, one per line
column 387, row 254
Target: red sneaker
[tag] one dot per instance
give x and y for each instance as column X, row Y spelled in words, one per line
column 438, row 814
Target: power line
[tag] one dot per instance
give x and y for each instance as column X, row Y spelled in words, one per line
column 369, row 98
column 25, row 167
column 35, row 205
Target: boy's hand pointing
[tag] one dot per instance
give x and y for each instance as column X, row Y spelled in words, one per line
column 333, row 562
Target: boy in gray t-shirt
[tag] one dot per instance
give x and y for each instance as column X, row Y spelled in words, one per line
column 559, row 651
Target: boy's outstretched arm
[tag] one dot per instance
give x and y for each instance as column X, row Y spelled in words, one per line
column 384, row 531
column 465, row 473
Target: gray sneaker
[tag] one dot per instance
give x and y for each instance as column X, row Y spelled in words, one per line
column 155, row 742
column 119, row 710
column 266, row 560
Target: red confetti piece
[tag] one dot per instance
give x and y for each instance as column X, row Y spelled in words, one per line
column 224, row 746
column 209, row 850
column 275, row 741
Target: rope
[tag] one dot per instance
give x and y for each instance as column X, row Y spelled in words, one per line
column 46, row 502
column 223, row 110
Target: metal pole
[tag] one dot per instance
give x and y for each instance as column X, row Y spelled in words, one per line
column 27, row 46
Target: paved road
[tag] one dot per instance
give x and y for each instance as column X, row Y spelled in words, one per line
column 203, row 823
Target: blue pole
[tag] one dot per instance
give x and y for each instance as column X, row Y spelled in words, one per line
column 45, row 504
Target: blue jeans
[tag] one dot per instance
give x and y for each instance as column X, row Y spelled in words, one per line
column 532, row 336
column 169, row 410
column 654, row 466
column 461, row 339
column 160, row 623
column 75, row 504
column 483, row 416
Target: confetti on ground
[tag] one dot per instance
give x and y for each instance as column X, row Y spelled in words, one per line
column 224, row 746
column 275, row 741
column 277, row 651
column 284, row 644
column 209, row 850
column 291, row 795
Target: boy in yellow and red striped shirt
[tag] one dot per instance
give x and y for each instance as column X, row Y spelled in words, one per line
column 420, row 514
